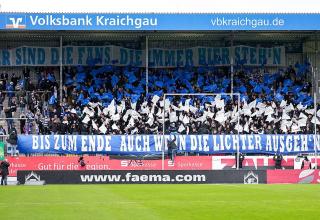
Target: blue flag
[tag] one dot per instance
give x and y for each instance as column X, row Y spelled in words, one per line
column 107, row 96
column 94, row 72
column 296, row 89
column 269, row 98
column 226, row 82
column 134, row 98
column 278, row 97
column 252, row 83
column 114, row 80
column 226, row 98
column 171, row 89
column 95, row 95
column 128, row 86
column 132, row 78
column 210, row 88
column 81, row 77
column 242, row 89
column 68, row 82
column 257, row 89
column 187, row 83
column 243, row 98
column 285, row 90
column 159, row 83
column 267, row 79
column 183, row 91
column 200, row 81
column 287, row 82
column 258, row 100
column 52, row 100
column 21, row 83
column 85, row 101
column 138, row 90
column 267, row 90
column 91, row 90
column 158, row 93
column 308, row 102
column 119, row 96
column 80, row 98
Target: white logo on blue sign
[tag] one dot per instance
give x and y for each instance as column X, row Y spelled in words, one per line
column 15, row 22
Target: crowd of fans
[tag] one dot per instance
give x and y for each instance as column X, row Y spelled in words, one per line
column 113, row 100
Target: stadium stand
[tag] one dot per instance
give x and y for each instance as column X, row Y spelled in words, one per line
column 112, row 100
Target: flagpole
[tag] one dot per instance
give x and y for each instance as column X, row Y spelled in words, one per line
column 60, row 69
column 231, row 67
column 238, row 147
column 315, row 105
column 315, row 130
column 147, row 65
column 163, row 129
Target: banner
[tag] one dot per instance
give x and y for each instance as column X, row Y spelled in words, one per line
column 293, row 176
column 252, row 162
column 158, row 57
column 1, row 151
column 105, row 163
column 153, row 144
column 142, row 177
column 37, row 163
column 159, row 21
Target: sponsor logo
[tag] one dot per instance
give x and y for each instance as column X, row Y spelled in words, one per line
column 144, row 176
column 132, row 177
column 251, row 178
column 306, row 176
column 131, row 163
column 33, row 179
column 124, row 163
column 170, row 163
column 16, row 22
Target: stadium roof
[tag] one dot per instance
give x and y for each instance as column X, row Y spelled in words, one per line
column 165, row 35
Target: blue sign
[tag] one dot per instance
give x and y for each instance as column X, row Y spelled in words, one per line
column 148, row 21
column 153, row 144
column 158, row 57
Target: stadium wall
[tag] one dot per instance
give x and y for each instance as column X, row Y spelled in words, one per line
column 56, row 163
column 30, row 177
column 142, row 177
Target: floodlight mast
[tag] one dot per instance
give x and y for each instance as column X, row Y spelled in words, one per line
column 197, row 94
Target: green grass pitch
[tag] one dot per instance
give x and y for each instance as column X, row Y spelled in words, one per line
column 89, row 202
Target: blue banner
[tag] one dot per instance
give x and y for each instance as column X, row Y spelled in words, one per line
column 158, row 57
column 150, row 21
column 153, row 144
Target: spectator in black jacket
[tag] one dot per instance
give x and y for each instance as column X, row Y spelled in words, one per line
column 64, row 125
column 278, row 160
column 4, row 169
column 241, row 159
column 12, row 141
column 172, row 149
